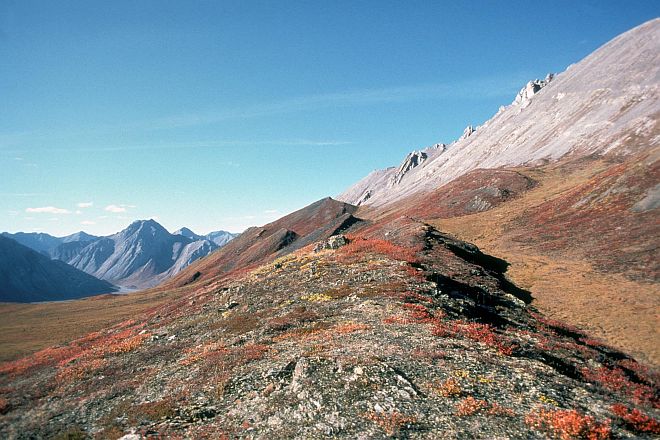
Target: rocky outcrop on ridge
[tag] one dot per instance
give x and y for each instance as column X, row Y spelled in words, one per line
column 402, row 333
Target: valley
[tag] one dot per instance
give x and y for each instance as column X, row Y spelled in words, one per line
column 502, row 285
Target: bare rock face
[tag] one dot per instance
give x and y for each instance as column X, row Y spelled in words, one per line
column 524, row 97
column 411, row 161
column 467, row 132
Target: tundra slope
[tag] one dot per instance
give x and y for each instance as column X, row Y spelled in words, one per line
column 595, row 107
column 563, row 183
column 402, row 332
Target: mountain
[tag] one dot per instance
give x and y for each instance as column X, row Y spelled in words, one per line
column 27, row 276
column 563, row 184
column 596, row 106
column 188, row 234
column 220, row 238
column 373, row 321
column 38, row 241
column 141, row 255
column 80, row 236
column 60, row 248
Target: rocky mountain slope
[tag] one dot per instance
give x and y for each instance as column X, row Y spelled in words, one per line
column 577, row 213
column 391, row 330
column 596, row 106
column 26, row 276
column 142, row 255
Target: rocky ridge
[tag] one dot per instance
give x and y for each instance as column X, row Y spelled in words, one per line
column 607, row 103
column 396, row 330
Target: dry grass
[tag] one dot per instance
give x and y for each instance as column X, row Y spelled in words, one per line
column 621, row 311
column 27, row 328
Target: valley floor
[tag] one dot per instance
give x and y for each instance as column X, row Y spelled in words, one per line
column 26, row 328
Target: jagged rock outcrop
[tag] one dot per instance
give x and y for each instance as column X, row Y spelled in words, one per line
column 469, row 130
column 524, row 97
column 411, row 161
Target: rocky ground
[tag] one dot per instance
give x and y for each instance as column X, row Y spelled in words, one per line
column 402, row 332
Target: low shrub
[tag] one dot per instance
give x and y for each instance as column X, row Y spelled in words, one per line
column 636, row 420
column 392, row 422
column 568, row 424
column 470, row 406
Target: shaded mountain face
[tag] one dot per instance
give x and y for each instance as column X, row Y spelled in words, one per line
column 27, row 276
column 596, row 106
column 38, row 241
column 142, row 255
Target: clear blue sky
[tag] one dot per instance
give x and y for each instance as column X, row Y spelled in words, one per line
column 225, row 114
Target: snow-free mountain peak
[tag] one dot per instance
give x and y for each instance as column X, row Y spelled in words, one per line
column 188, row 233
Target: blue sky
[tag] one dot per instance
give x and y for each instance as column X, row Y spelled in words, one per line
column 226, row 114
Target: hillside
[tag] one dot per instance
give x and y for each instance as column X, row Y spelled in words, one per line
column 403, row 332
column 315, row 222
column 563, row 184
column 26, row 276
column 596, row 106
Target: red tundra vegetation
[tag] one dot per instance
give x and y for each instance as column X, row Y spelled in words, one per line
column 568, row 425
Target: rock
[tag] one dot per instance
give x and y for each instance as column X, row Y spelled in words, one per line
column 130, row 437
column 334, row 242
column 532, row 88
column 469, row 130
column 414, row 159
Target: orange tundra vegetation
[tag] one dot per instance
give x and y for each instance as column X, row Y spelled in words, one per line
column 357, row 246
column 568, row 425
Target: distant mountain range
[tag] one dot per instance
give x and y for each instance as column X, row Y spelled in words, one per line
column 140, row 256
column 27, row 276
column 220, row 238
